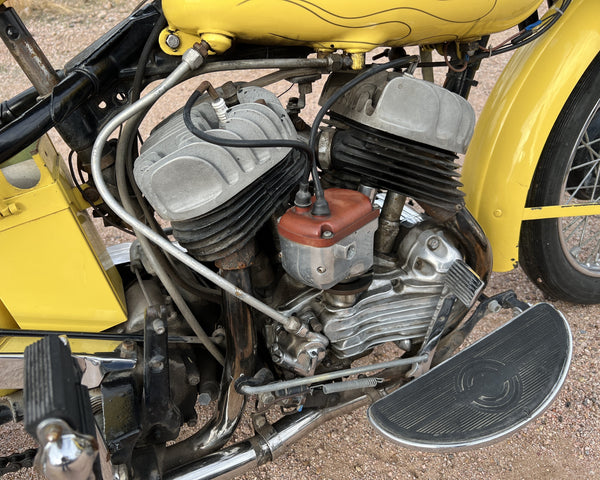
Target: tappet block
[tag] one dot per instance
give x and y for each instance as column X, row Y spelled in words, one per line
column 321, row 251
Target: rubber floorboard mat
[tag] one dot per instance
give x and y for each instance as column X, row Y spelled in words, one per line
column 486, row 391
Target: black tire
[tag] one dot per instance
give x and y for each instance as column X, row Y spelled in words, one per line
column 568, row 172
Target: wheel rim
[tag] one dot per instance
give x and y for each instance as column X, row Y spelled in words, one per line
column 580, row 236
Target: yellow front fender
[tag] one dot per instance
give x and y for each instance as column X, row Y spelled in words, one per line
column 516, row 121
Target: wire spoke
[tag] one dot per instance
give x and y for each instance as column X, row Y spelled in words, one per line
column 593, row 162
column 574, row 231
column 587, row 175
column 580, row 236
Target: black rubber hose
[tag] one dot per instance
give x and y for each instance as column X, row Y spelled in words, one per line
column 320, row 207
column 138, row 80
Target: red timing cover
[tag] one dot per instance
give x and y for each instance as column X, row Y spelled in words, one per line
column 350, row 210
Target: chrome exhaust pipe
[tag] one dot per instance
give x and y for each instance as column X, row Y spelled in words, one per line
column 260, row 449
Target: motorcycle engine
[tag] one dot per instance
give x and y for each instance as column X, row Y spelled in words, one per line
column 391, row 133
column 401, row 135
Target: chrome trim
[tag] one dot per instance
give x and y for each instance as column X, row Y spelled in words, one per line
column 94, row 368
column 240, row 361
column 65, row 453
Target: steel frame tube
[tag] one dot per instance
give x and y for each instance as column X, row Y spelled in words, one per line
column 27, row 52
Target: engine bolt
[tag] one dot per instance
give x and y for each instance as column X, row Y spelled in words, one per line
column 158, row 326
column 433, row 243
column 173, row 41
column 156, row 363
column 321, row 270
column 327, row 234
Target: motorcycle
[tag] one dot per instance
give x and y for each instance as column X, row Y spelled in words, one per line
column 270, row 253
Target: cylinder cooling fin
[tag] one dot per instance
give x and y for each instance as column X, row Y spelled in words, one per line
column 217, row 198
column 230, row 226
column 403, row 134
column 427, row 174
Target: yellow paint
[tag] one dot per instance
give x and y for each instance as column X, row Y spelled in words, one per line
column 6, row 319
column 358, row 61
column 557, row 211
column 350, row 25
column 56, row 273
column 17, row 345
column 516, row 121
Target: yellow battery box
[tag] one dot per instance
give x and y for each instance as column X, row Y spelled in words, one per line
column 55, row 272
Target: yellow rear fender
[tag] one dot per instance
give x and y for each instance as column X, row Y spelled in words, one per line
column 516, row 122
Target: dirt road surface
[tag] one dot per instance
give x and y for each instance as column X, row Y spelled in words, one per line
column 562, row 444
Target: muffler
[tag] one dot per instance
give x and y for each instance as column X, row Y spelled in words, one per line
column 262, row 448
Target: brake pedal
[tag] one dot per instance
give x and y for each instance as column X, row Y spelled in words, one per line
column 485, row 392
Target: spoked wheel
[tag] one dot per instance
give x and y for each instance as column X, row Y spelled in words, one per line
column 562, row 255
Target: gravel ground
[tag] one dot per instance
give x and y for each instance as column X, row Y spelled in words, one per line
column 562, row 444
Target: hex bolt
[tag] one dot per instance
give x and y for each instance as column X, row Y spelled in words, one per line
column 276, row 357
column 12, row 32
column 156, row 363
column 128, row 346
column 159, row 326
column 433, row 243
column 494, row 306
column 327, row 234
column 173, row 41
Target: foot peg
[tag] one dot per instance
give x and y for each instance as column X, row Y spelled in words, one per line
column 58, row 411
column 485, row 392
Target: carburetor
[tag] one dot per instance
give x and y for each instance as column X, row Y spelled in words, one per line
column 321, row 251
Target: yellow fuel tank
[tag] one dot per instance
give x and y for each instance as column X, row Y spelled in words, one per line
column 350, row 25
